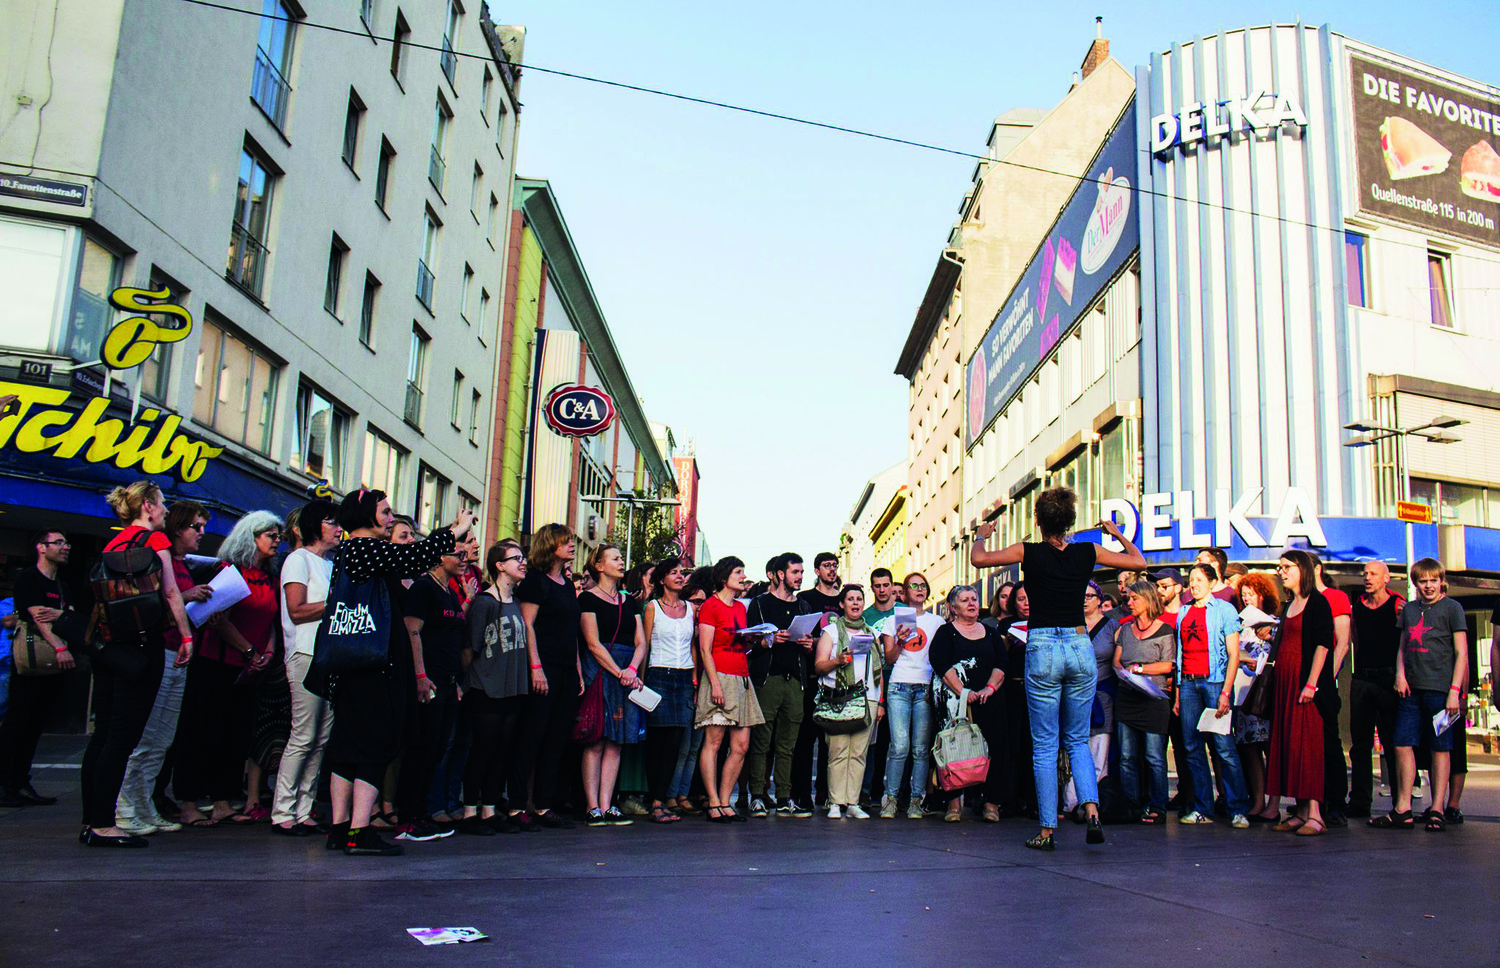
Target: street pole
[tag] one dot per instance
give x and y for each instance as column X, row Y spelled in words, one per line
column 1411, row 591
column 630, row 532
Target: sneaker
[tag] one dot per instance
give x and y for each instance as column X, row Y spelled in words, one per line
column 475, row 826
column 367, row 843
column 163, row 825
column 521, row 822
column 338, row 837
column 595, row 818
column 615, row 818
column 634, row 806
column 915, row 811
column 1240, row 822
column 138, row 827
column 1385, row 790
column 422, row 830
column 758, row 807
column 888, row 808
column 552, row 821
column 855, row 812
column 834, row 812
column 785, row 808
column 1416, row 793
column 1193, row 816
column 798, row 810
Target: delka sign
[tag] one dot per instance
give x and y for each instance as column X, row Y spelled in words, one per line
column 574, row 410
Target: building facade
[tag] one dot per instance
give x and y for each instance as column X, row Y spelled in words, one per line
column 857, row 548
column 323, row 209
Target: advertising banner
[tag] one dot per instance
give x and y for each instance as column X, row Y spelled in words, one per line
column 1425, row 151
column 1096, row 234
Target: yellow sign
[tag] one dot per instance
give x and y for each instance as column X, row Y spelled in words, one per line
column 1413, row 512
column 150, row 442
column 132, row 341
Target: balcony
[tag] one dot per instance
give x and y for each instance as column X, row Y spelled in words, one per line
column 425, row 280
column 412, row 411
column 436, row 168
column 247, row 259
column 269, row 89
column 449, row 60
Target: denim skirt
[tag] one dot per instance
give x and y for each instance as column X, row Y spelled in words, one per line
column 677, row 702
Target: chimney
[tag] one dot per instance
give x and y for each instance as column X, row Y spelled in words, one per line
column 1098, row 50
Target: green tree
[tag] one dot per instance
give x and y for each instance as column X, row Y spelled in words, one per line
column 655, row 534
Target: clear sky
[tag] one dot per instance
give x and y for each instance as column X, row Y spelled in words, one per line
column 759, row 276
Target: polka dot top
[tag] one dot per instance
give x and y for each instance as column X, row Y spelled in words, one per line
column 366, row 558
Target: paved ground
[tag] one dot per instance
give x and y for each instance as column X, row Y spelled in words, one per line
column 764, row 894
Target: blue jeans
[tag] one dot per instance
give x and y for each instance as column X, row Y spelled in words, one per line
column 908, row 710
column 687, row 762
column 1196, row 696
column 1060, row 679
column 1134, row 742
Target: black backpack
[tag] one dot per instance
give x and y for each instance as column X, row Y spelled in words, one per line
column 127, row 588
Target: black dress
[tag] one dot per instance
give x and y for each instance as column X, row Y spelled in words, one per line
column 373, row 708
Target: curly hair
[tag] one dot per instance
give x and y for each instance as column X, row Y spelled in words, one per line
column 1265, row 589
column 1056, row 511
column 239, row 548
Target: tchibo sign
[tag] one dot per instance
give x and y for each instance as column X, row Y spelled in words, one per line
column 1153, row 523
column 1257, row 111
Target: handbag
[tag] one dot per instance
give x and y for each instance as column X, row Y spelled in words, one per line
column 1258, row 697
column 588, row 725
column 32, row 654
column 843, row 707
column 355, row 633
column 959, row 752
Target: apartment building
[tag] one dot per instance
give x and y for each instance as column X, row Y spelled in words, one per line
column 329, row 207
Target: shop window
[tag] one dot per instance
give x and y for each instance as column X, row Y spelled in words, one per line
column 1356, row 268
column 1439, row 281
column 322, row 436
column 1458, row 503
column 234, row 387
column 32, row 255
column 155, row 374
column 384, row 467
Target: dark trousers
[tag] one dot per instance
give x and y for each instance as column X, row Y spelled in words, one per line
column 1372, row 709
column 873, row 784
column 434, row 734
column 663, row 743
column 544, row 737
column 804, row 783
column 213, row 733
column 1335, row 770
column 122, row 705
column 31, row 700
column 1180, row 763
column 781, row 701
column 494, row 730
column 1016, row 786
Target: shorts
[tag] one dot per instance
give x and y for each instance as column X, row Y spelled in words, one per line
column 740, row 708
column 1414, row 720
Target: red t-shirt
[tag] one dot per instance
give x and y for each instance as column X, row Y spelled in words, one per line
column 1194, row 630
column 255, row 617
column 184, row 578
column 728, row 652
column 1338, row 601
column 155, row 540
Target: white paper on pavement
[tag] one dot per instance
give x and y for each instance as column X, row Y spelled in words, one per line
column 1142, row 683
column 1442, row 721
column 430, row 936
column 1212, row 722
column 229, row 589
column 805, row 625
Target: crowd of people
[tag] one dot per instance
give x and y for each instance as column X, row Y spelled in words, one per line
column 519, row 689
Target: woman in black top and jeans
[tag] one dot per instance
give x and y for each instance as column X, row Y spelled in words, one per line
column 967, row 657
column 1061, row 674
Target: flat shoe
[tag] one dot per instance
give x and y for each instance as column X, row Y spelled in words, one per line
column 1306, row 829
column 1290, row 823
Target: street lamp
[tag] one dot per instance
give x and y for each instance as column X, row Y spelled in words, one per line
column 1370, row 434
column 629, row 499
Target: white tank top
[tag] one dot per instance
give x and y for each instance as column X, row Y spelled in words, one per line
column 672, row 638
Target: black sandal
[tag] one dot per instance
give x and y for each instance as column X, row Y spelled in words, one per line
column 1150, row 817
column 1041, row 842
column 1433, row 821
column 660, row 814
column 716, row 814
column 1393, row 821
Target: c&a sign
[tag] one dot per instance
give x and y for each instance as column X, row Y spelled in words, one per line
column 574, row 410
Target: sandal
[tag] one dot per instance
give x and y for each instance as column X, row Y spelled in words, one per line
column 660, row 814
column 385, row 821
column 1434, row 822
column 1151, row 817
column 1041, row 842
column 1393, row 821
column 239, row 820
column 1291, row 823
column 203, row 822
column 686, row 806
column 716, row 814
column 257, row 813
column 1305, row 830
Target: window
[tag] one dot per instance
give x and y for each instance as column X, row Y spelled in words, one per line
column 1438, row 271
column 476, row 187
column 432, row 500
column 338, row 252
column 484, row 311
column 90, row 315
column 399, row 37
column 455, row 408
column 474, row 400
column 367, row 12
column 155, row 373
column 463, row 297
column 367, row 310
column 234, row 387
column 416, row 378
column 353, row 115
column 273, row 61
column 31, row 271
column 437, row 167
column 322, row 435
column 500, row 127
column 484, row 95
column 467, row 500
column 383, row 173
column 449, row 60
column 1356, row 251
column 1458, row 503
column 252, row 216
column 426, row 265
column 384, row 467
column 494, row 216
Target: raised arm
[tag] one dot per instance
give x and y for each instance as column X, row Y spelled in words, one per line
column 981, row 557
column 1129, row 558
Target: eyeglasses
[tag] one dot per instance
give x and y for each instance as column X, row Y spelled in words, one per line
column 273, row 535
column 198, row 526
column 63, row 542
column 1090, row 595
column 917, row 584
column 509, row 558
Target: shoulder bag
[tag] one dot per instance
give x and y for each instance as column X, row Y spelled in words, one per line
column 842, row 708
column 355, row 632
column 1258, row 697
column 959, row 753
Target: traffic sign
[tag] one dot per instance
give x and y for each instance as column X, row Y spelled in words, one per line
column 1413, row 512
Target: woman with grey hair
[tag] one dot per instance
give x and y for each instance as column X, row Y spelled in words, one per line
column 968, row 667
column 219, row 702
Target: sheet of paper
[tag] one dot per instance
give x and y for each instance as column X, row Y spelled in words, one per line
column 229, row 589
column 905, row 615
column 1250, row 617
column 1142, row 683
column 1260, row 663
column 804, row 625
column 860, row 643
column 755, row 635
column 1211, row 722
column 430, row 936
column 1442, row 721
column 1242, row 681
column 1018, row 631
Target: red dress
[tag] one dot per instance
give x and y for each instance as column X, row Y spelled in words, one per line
column 1294, row 760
